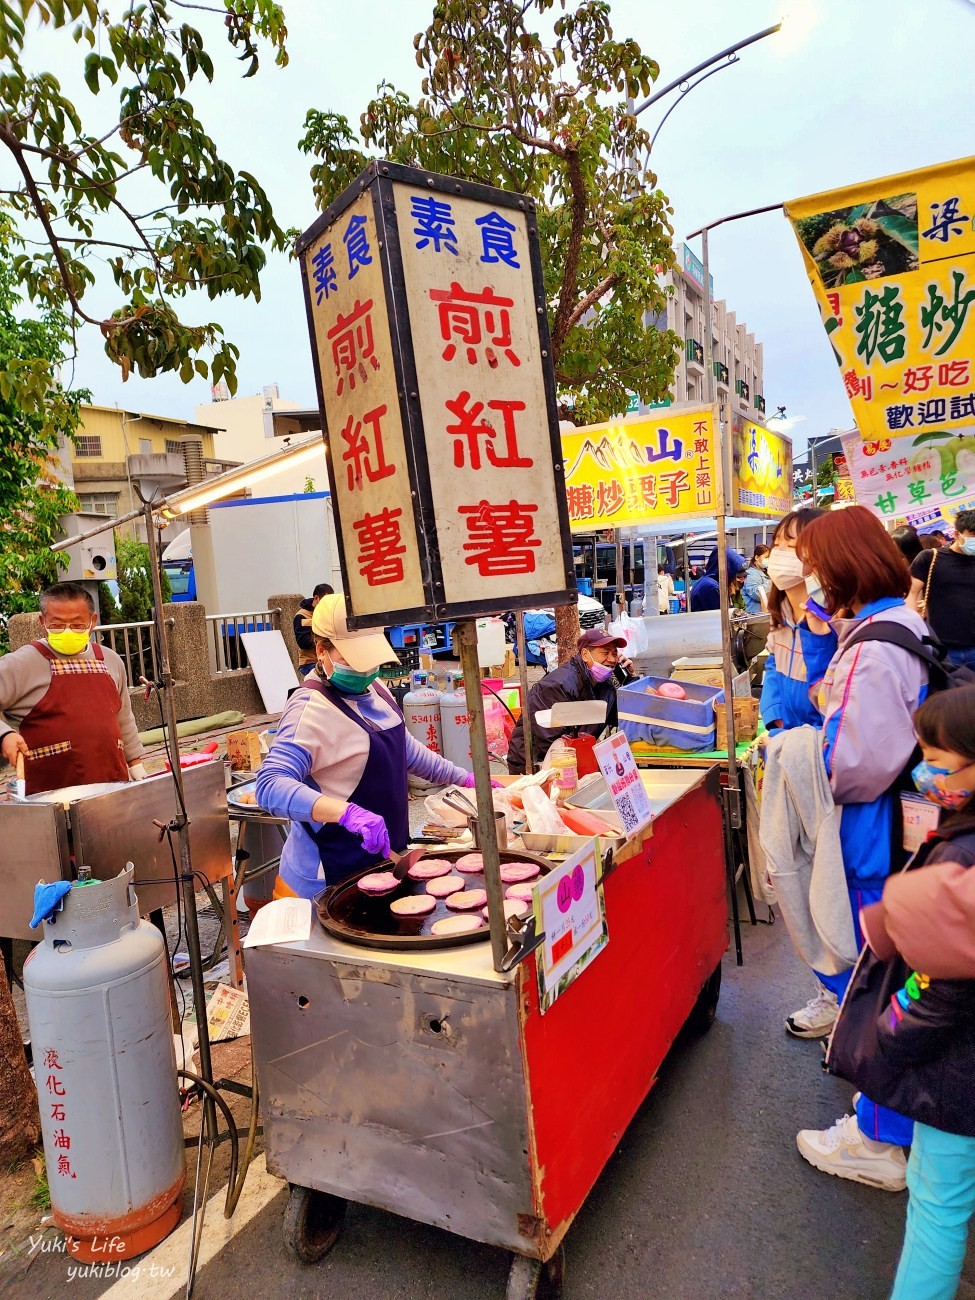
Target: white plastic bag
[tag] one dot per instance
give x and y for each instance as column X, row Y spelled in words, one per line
column 634, row 632
column 543, row 816
column 441, row 812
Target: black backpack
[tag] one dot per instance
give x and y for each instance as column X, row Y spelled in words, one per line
column 942, row 676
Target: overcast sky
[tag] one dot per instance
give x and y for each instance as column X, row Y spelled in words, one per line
column 849, row 90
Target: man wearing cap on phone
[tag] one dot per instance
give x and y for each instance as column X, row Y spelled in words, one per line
column 594, row 672
column 339, row 762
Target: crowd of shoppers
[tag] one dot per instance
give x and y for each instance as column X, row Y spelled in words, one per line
column 848, row 695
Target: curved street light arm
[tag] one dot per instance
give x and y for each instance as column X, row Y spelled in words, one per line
column 686, row 88
column 708, row 63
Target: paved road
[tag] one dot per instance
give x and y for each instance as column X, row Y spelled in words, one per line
column 706, row 1197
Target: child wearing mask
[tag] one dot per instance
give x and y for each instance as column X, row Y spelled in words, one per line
column 908, row 1039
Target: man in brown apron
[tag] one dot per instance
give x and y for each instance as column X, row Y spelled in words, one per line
column 65, row 703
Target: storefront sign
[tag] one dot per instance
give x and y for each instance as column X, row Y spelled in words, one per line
column 569, row 909
column 892, row 266
column 427, row 310
column 622, row 776
column 762, row 471
column 693, row 268
column 634, row 471
column 898, row 478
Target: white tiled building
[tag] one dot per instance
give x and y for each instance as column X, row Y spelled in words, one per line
column 737, row 356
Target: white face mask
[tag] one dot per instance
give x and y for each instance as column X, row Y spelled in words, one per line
column 785, row 568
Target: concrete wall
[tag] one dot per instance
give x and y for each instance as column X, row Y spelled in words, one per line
column 199, row 692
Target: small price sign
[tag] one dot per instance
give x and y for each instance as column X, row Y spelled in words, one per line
column 569, row 909
column 618, row 766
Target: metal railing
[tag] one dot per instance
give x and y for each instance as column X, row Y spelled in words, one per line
column 135, row 644
column 224, row 632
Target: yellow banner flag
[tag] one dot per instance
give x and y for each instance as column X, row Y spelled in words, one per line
column 892, row 265
column 650, row 469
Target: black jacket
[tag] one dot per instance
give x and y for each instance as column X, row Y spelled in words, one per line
column 570, row 681
column 303, row 634
column 906, row 1041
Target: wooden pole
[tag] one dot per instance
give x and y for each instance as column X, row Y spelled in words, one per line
column 480, row 762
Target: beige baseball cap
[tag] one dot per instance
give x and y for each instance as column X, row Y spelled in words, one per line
column 363, row 650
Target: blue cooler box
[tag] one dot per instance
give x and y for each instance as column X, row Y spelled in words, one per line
column 655, row 720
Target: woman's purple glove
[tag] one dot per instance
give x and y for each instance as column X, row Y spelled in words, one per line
column 372, row 829
column 469, row 783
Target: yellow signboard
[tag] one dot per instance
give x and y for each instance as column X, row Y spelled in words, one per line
column 892, row 265
column 650, row 469
column 761, row 471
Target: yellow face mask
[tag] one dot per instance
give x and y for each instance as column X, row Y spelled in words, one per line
column 68, row 642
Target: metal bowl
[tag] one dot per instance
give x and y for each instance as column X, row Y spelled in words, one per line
column 349, row 914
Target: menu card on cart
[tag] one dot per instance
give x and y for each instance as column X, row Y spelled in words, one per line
column 618, row 766
column 569, row 908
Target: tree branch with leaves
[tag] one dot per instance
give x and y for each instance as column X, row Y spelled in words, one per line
column 548, row 115
column 213, row 225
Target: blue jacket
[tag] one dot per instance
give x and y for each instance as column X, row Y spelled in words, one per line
column 797, row 663
column 706, row 592
column 908, row 1042
column 756, row 581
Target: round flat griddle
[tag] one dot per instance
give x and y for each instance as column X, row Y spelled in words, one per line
column 349, row 914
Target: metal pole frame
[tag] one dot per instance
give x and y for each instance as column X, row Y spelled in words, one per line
column 181, row 820
column 722, row 441
column 526, row 717
column 481, row 763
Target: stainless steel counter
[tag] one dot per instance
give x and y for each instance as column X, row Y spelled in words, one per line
column 47, row 840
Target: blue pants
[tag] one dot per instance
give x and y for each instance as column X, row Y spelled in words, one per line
column 941, row 1181
column 965, row 658
column 875, row 1121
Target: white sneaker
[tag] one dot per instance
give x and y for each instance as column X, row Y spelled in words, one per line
column 841, row 1150
column 817, row 1017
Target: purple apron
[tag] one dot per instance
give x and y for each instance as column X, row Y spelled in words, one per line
column 382, row 790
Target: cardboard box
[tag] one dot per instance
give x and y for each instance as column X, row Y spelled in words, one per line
column 656, row 720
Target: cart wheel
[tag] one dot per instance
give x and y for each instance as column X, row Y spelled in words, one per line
column 312, row 1223
column 706, row 1007
column 530, row 1279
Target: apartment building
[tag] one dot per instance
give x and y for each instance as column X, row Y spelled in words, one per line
column 108, row 438
column 737, row 357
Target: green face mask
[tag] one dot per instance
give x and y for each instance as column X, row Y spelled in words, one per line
column 68, row 643
column 350, row 682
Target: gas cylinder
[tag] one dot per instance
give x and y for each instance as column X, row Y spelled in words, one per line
column 98, row 1009
column 421, row 709
column 456, row 723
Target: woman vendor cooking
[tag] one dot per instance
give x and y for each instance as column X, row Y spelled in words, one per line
column 338, row 766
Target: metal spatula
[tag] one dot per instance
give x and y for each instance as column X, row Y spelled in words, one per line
column 401, row 865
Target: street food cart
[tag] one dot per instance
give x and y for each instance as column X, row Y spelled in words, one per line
column 427, row 1083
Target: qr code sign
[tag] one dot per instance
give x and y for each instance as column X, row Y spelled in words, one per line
column 626, row 811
